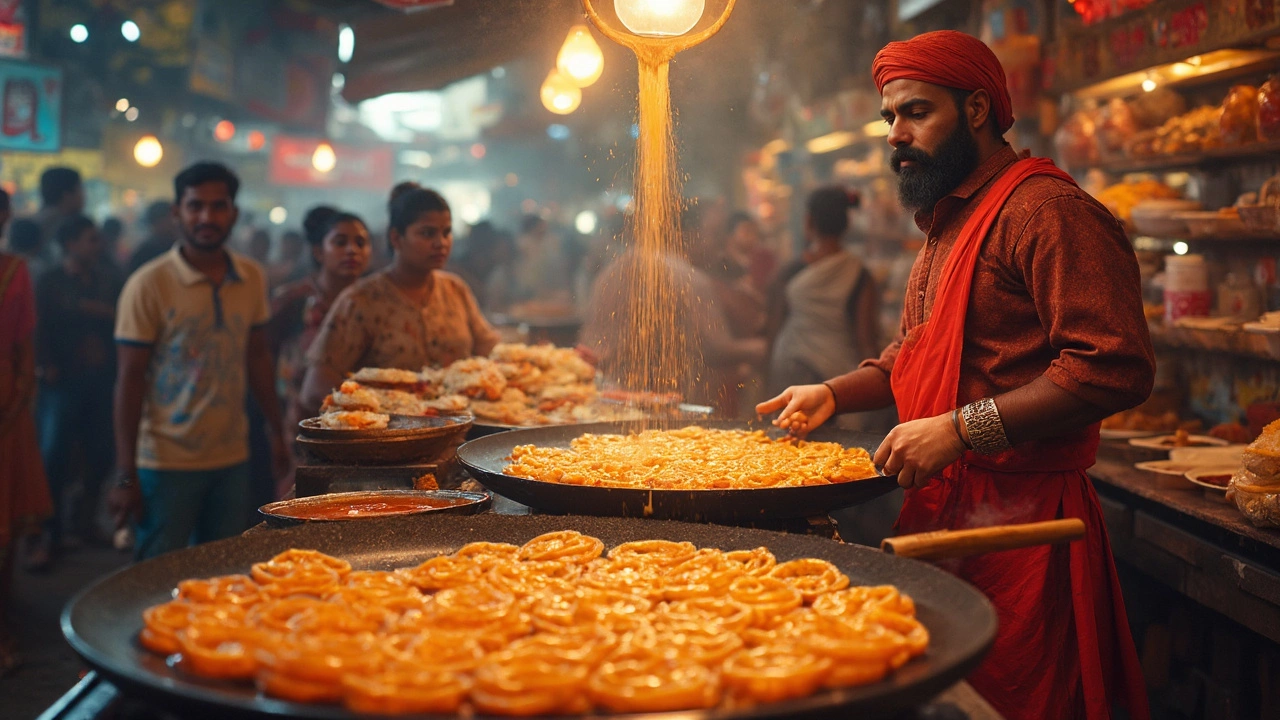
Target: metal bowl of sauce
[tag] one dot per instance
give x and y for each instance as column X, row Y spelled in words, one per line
column 340, row 507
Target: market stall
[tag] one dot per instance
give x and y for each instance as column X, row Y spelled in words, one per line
column 1170, row 116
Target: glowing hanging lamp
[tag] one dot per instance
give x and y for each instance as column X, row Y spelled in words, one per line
column 148, row 152
column 660, row 18
column 324, row 159
column 581, row 59
column 559, row 94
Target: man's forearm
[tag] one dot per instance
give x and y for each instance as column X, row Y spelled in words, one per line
column 262, row 383
column 127, row 413
column 1041, row 409
column 863, row 389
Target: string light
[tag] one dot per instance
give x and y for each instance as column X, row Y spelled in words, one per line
column 580, row 58
column 559, row 94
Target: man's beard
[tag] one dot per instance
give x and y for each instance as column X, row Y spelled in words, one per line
column 932, row 177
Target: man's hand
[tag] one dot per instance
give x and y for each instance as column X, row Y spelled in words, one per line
column 281, row 458
column 124, row 501
column 916, row 451
column 804, row 408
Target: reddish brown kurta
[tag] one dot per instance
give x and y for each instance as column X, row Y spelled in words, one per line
column 1054, row 294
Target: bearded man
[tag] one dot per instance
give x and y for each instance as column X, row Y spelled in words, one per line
column 1022, row 328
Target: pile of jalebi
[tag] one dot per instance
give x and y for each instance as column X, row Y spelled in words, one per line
column 691, row 458
column 553, row 626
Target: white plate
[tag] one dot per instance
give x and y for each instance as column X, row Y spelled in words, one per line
column 1167, row 467
column 1165, row 442
column 1209, row 456
column 1195, row 475
column 1126, row 434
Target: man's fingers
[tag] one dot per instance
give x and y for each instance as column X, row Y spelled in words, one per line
column 881, row 457
column 777, row 403
column 905, row 479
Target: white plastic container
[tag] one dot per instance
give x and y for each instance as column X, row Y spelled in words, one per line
column 1186, row 287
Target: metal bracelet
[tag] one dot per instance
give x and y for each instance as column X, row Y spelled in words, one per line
column 955, row 423
column 986, row 429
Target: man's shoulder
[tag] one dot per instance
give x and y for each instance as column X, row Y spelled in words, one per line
column 1049, row 199
column 249, row 269
column 1043, row 192
column 155, row 272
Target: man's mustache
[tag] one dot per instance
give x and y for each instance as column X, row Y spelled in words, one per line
column 210, row 228
column 905, row 154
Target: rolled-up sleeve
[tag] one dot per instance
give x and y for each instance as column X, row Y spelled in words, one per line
column 1083, row 277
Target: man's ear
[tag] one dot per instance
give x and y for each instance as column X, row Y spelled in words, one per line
column 978, row 109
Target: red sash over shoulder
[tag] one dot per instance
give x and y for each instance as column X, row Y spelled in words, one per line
column 1063, row 649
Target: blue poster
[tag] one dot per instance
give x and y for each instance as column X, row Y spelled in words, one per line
column 30, row 107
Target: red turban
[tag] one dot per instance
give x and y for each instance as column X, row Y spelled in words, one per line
column 951, row 59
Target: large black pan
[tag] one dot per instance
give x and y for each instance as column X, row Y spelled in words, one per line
column 102, row 622
column 486, row 459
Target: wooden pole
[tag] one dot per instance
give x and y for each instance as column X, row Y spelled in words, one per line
column 944, row 544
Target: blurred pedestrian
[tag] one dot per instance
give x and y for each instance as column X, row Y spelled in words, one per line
column 297, row 310
column 258, row 247
column 542, row 267
column 486, row 264
column 161, row 232
column 827, row 306
column 24, row 493
column 112, row 236
column 292, row 263
column 25, row 243
column 61, row 197
column 76, row 305
column 191, row 337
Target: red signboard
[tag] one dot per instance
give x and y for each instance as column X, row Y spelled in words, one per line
column 365, row 168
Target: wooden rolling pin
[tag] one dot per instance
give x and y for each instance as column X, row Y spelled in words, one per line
column 944, row 544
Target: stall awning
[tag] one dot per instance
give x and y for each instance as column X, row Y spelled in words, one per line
column 428, row 49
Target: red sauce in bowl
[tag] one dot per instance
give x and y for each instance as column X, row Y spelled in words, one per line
column 1215, row 480
column 344, row 509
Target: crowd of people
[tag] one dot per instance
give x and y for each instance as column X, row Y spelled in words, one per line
column 184, row 366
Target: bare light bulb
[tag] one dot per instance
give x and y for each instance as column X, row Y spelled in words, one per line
column 148, row 151
column 660, row 18
column 559, row 94
column 581, row 59
column 324, row 159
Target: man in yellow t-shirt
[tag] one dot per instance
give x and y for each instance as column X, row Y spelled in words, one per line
column 190, row 338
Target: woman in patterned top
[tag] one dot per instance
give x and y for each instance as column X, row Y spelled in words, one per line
column 409, row 316
column 340, row 247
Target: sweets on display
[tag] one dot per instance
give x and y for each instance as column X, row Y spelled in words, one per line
column 553, row 626
column 523, row 385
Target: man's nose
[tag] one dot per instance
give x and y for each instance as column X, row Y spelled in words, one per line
column 898, row 135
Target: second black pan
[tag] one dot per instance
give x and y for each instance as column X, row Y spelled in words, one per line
column 486, row 459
